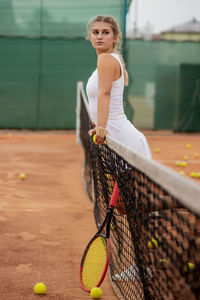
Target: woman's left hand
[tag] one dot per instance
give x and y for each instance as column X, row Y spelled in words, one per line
column 100, row 132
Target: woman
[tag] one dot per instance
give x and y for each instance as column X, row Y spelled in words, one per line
column 106, row 85
column 105, row 90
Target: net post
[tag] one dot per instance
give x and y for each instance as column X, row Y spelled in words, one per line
column 78, row 107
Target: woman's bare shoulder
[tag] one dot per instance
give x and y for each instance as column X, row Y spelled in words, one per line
column 106, row 59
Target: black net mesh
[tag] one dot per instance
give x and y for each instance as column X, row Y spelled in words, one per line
column 155, row 240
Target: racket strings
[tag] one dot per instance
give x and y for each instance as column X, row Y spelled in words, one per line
column 94, row 263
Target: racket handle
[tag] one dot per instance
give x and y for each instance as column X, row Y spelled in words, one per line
column 114, row 196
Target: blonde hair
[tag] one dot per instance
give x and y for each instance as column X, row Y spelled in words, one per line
column 116, row 32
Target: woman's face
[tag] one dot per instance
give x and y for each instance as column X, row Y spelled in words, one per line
column 102, row 37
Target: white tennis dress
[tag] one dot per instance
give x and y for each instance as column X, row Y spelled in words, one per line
column 118, row 126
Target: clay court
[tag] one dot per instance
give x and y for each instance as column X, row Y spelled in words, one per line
column 47, row 218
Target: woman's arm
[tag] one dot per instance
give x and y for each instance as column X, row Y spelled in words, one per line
column 106, row 71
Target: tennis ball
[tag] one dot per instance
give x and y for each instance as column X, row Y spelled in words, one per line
column 178, row 163
column 40, row 288
column 22, row 176
column 153, row 243
column 182, row 173
column 183, row 164
column 112, row 227
column 198, row 175
column 185, row 157
column 157, row 150
column 193, row 174
column 96, row 293
column 9, row 134
column 188, row 146
column 108, row 176
column 189, row 267
column 110, row 189
column 162, row 264
column 196, row 155
column 94, row 138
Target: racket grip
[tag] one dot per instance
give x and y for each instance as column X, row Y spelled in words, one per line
column 115, row 194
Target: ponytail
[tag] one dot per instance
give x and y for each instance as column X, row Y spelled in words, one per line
column 124, row 68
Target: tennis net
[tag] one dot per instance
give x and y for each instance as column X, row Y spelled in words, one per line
column 155, row 230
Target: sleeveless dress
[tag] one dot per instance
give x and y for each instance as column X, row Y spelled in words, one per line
column 118, row 126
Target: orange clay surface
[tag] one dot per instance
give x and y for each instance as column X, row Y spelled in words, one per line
column 47, row 219
column 173, row 149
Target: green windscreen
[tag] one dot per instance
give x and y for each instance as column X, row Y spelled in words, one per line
column 166, row 83
column 154, row 90
column 50, row 18
column 43, row 53
column 187, row 116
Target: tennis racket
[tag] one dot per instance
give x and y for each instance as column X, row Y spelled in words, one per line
column 95, row 259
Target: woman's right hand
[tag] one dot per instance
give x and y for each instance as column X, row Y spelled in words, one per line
column 100, row 132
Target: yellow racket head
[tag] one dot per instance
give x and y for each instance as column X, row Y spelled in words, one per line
column 94, row 263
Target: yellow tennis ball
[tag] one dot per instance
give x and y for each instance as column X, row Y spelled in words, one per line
column 96, row 293
column 110, row 189
column 22, row 176
column 182, row 173
column 94, row 138
column 9, row 134
column 188, row 146
column 178, row 163
column 198, row 174
column 108, row 176
column 112, row 227
column 162, row 264
column 153, row 243
column 193, row 174
column 185, row 157
column 183, row 164
column 40, row 288
column 157, row 150
column 189, row 267
column 196, row 155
